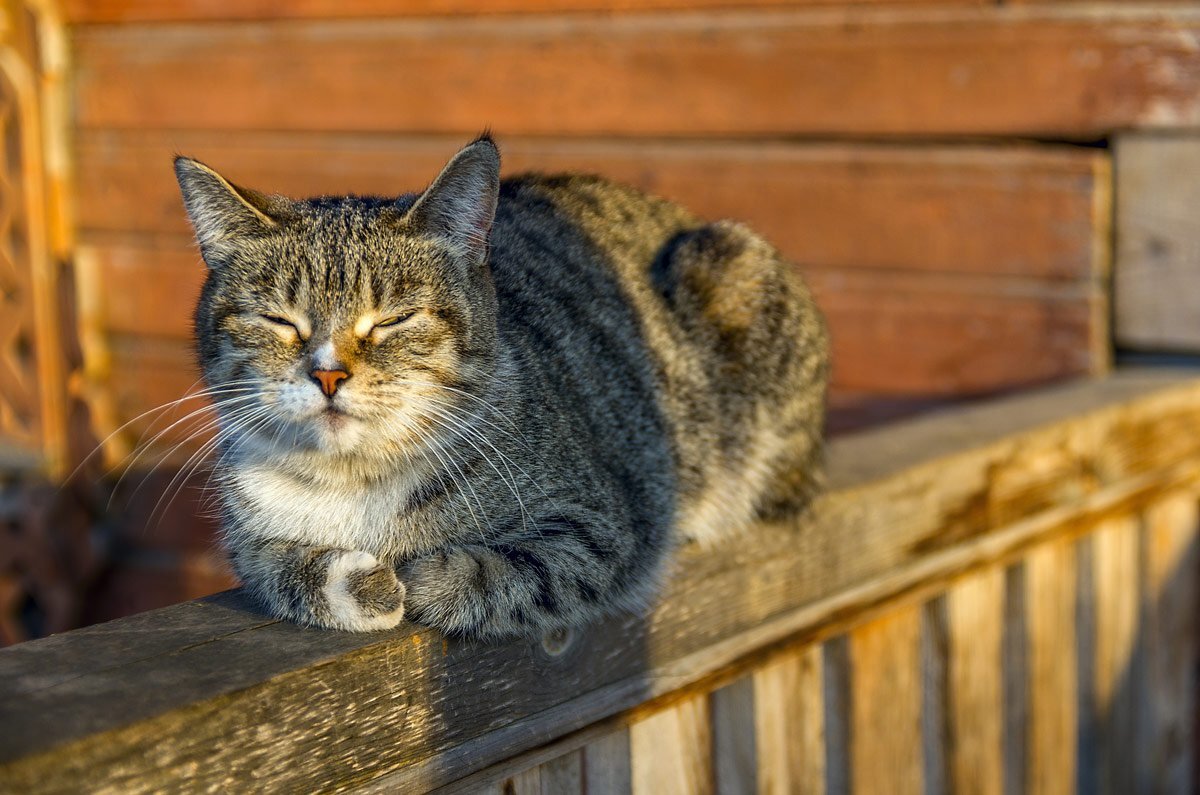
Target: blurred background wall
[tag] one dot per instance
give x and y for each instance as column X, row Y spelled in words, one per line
column 954, row 178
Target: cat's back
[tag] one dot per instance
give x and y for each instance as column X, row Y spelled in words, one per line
column 737, row 350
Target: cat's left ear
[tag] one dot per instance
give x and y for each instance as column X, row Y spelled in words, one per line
column 460, row 205
column 223, row 214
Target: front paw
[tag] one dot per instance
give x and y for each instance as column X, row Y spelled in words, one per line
column 363, row 594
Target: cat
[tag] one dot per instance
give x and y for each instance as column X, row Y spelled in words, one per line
column 494, row 406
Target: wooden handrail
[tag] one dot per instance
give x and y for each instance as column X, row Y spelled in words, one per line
column 214, row 693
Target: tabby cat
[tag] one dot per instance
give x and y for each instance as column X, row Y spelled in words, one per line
column 492, row 407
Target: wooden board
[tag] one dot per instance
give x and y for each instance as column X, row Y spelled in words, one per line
column 1115, row 665
column 885, row 683
column 789, row 724
column 1050, row 578
column 672, row 751
column 973, row 621
column 1170, row 593
column 1075, row 72
column 913, row 509
column 1158, row 243
column 85, row 12
column 1022, row 211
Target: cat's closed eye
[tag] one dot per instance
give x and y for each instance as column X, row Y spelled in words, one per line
column 395, row 320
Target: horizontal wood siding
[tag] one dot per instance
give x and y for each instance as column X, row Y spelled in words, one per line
column 994, row 71
column 966, row 270
column 87, row 12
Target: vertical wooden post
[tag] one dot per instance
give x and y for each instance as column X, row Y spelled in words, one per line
column 1050, row 579
column 885, row 733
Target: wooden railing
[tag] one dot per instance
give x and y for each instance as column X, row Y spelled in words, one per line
column 995, row 599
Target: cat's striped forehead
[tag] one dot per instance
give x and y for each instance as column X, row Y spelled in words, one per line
column 337, row 258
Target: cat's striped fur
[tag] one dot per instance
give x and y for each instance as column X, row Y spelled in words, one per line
column 551, row 379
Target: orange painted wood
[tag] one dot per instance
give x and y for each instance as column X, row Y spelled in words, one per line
column 1038, row 211
column 1079, row 71
column 117, row 11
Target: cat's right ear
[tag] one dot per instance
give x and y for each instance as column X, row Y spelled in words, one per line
column 222, row 213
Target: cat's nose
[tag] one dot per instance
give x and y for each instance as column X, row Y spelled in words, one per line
column 328, row 379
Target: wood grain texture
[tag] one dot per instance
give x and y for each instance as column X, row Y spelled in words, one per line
column 85, row 12
column 789, row 725
column 1053, row 697
column 885, row 686
column 1116, row 669
column 563, row 776
column 606, row 765
column 230, row 696
column 1158, row 242
column 672, row 751
column 1171, row 555
column 733, row 711
column 996, row 71
column 974, row 621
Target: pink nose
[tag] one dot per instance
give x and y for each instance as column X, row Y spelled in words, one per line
column 328, row 379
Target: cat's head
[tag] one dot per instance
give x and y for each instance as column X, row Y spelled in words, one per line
column 343, row 325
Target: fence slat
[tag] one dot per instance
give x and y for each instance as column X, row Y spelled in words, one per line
column 606, row 765
column 1169, row 582
column 1053, row 698
column 789, row 724
column 672, row 751
column 974, row 615
column 734, row 756
column 563, row 776
column 885, row 692
column 1115, row 584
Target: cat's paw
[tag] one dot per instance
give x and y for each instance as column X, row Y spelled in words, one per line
column 362, row 593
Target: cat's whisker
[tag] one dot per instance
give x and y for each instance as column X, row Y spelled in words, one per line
column 145, row 446
column 258, row 415
column 411, row 428
column 156, row 409
column 461, row 429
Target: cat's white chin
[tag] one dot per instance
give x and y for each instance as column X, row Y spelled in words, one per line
column 337, row 432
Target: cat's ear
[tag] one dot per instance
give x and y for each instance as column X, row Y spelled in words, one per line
column 460, row 205
column 222, row 213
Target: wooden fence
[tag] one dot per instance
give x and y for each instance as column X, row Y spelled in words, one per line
column 997, row 599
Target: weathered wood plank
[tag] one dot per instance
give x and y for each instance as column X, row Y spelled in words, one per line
column 974, row 621
column 754, row 72
column 563, row 776
column 913, row 507
column 733, row 711
column 607, row 766
column 1170, row 594
column 672, row 751
column 1002, row 210
column 1053, row 696
column 885, row 691
column 1158, row 242
column 91, row 12
column 789, row 726
column 1115, row 668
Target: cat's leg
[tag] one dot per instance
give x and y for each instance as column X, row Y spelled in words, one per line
column 322, row 586
column 564, row 574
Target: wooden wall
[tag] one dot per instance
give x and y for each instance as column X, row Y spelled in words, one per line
column 938, row 170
